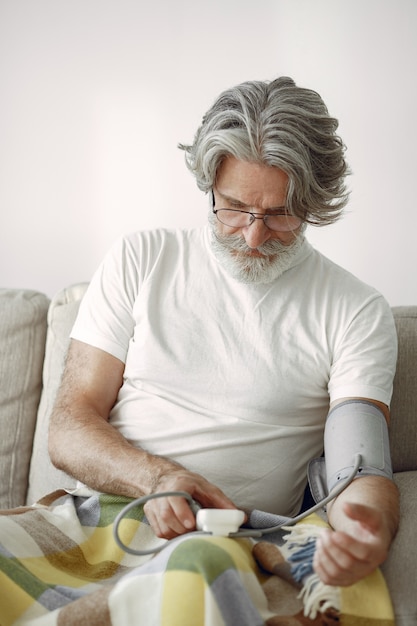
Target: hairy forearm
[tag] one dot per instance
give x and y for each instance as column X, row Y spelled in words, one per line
column 81, row 440
column 376, row 492
column 87, row 447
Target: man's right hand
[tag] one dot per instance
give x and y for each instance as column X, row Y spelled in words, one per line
column 171, row 516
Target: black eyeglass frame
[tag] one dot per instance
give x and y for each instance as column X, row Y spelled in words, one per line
column 255, row 216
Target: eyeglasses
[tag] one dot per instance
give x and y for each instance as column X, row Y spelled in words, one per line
column 236, row 218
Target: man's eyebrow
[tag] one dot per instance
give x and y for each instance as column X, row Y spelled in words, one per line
column 228, row 198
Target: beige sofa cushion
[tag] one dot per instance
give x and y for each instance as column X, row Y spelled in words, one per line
column 44, row 477
column 400, row 569
column 22, row 345
column 403, row 429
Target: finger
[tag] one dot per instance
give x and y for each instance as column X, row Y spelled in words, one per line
column 324, row 565
column 153, row 522
column 330, row 574
column 183, row 515
column 163, row 519
column 356, row 548
column 365, row 515
column 212, row 498
column 332, row 554
column 333, row 565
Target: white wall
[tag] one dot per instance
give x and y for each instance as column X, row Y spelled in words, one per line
column 96, row 94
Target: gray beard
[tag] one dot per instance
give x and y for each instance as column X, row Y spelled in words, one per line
column 232, row 253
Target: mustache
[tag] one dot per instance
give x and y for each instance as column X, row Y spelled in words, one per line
column 236, row 243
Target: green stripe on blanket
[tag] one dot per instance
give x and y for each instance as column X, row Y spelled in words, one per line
column 59, row 565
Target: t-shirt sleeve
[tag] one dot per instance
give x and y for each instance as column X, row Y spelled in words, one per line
column 105, row 318
column 365, row 354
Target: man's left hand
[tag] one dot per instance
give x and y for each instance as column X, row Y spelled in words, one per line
column 345, row 556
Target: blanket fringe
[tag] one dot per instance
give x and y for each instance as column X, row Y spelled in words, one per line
column 299, row 548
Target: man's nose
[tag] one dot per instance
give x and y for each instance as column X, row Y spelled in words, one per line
column 256, row 233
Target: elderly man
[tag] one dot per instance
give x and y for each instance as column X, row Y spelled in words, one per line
column 207, row 360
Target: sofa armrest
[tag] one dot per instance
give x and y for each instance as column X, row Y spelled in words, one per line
column 400, row 569
column 22, row 346
column 403, row 426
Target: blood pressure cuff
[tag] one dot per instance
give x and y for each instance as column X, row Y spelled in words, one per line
column 352, row 427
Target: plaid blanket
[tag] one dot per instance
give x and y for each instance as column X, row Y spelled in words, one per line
column 59, row 565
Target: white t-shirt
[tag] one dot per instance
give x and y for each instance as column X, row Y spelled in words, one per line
column 233, row 380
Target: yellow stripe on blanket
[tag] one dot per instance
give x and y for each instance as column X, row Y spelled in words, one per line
column 98, row 558
column 189, row 606
column 368, row 598
column 102, row 547
column 22, row 600
column 95, row 559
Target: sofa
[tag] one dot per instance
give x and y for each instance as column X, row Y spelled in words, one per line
column 34, row 335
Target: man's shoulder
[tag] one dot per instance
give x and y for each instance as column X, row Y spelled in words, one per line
column 163, row 236
column 339, row 293
column 337, row 276
column 143, row 251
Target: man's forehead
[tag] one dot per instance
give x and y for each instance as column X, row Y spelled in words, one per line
column 251, row 183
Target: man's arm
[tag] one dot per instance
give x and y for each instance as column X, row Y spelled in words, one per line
column 86, row 446
column 365, row 519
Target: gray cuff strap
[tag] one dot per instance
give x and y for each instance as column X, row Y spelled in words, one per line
column 316, row 473
column 354, row 426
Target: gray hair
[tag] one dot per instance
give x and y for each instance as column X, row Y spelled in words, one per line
column 281, row 125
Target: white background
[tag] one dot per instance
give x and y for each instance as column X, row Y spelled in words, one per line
column 95, row 95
